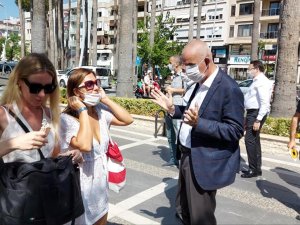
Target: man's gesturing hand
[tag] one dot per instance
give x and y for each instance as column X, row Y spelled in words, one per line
column 190, row 116
column 165, row 101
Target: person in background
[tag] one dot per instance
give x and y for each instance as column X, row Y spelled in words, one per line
column 209, row 137
column 176, row 90
column 293, row 131
column 85, row 126
column 257, row 104
column 147, row 83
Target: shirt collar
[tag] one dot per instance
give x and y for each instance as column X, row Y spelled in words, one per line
column 258, row 76
column 211, row 78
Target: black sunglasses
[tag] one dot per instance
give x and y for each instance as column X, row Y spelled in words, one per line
column 35, row 88
column 89, row 85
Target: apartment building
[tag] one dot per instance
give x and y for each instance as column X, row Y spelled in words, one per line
column 214, row 29
column 240, row 30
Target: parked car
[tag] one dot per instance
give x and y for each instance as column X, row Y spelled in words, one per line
column 102, row 73
column 244, row 86
column 5, row 69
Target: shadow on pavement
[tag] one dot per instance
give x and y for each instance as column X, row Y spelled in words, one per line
column 282, row 194
column 166, row 213
column 163, row 152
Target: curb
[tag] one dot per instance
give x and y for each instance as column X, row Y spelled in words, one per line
column 265, row 137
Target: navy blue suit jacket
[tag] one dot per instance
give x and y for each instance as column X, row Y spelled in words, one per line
column 215, row 152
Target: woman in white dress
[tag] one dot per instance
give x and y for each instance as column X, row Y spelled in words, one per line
column 84, row 125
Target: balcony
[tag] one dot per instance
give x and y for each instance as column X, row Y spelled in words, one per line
column 269, row 35
column 270, row 12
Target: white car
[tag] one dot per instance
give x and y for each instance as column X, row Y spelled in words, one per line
column 102, row 73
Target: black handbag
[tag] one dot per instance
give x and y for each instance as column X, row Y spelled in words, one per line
column 46, row 192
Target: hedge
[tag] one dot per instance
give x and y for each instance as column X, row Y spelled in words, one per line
column 145, row 107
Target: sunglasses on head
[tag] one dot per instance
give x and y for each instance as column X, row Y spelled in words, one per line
column 35, row 88
column 89, row 85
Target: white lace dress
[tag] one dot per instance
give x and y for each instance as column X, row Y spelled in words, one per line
column 13, row 129
column 93, row 172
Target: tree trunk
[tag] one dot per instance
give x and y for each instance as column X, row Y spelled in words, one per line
column 38, row 29
column 199, row 19
column 152, row 22
column 51, row 54
column 116, row 38
column 145, row 14
column 78, row 14
column 284, row 104
column 21, row 14
column 95, row 23
column 68, row 52
column 134, row 49
column 255, row 30
column 60, row 47
column 191, row 25
column 125, row 82
column 162, row 7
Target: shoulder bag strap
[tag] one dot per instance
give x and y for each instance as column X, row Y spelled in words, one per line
column 24, row 128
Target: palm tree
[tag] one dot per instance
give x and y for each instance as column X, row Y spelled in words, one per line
column 145, row 14
column 77, row 57
column 125, row 82
column 287, row 62
column 162, row 7
column 134, row 40
column 51, row 32
column 191, row 25
column 94, row 43
column 67, row 47
column 22, row 25
column 116, row 39
column 200, row 2
column 255, row 30
column 60, row 34
column 38, row 40
column 152, row 22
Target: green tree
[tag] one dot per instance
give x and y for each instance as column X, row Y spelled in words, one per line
column 163, row 46
column 13, row 48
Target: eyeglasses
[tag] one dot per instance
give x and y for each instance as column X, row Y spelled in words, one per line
column 35, row 88
column 89, row 85
column 251, row 68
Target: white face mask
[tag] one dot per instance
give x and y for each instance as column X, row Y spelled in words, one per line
column 193, row 72
column 92, row 99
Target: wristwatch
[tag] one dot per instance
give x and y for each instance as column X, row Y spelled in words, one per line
column 257, row 121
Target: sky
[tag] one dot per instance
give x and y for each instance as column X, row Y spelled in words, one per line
column 10, row 9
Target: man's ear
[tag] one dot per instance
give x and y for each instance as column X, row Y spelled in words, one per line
column 207, row 61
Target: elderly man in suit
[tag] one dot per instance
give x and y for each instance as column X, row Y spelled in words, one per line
column 208, row 137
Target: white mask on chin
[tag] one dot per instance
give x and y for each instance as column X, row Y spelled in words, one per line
column 193, row 72
column 92, row 99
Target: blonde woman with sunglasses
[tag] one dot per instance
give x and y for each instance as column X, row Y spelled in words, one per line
column 84, row 125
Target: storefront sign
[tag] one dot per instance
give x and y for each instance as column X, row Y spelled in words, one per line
column 238, row 59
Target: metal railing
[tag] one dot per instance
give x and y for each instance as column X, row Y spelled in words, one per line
column 156, row 123
column 270, row 12
column 269, row 35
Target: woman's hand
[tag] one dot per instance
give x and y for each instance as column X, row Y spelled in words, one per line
column 29, row 141
column 75, row 103
column 76, row 156
column 103, row 94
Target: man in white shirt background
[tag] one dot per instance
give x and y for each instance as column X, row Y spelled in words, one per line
column 257, row 104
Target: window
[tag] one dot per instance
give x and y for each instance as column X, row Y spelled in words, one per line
column 274, row 8
column 215, row 14
column 272, row 30
column 246, row 9
column 233, row 10
column 245, row 30
column 231, row 31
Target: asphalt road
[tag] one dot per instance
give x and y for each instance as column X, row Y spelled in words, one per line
column 149, row 195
